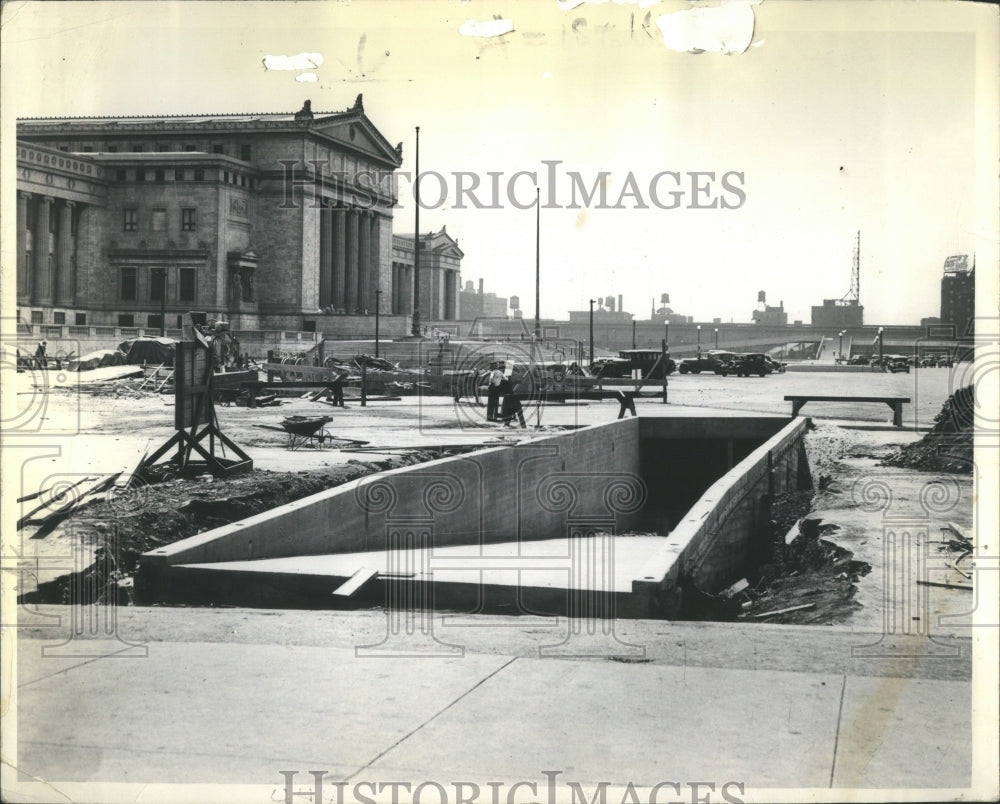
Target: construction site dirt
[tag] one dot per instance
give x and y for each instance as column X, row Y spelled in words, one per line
column 827, row 562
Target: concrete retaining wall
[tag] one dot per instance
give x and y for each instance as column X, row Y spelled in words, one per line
column 585, row 479
column 710, row 547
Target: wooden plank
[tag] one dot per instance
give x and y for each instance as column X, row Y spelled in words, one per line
column 966, row 586
column 803, row 607
column 355, row 582
column 815, row 398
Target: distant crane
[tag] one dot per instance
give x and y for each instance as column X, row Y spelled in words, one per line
column 854, row 294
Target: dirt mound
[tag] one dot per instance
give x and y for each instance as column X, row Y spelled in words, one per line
column 151, row 516
column 948, row 446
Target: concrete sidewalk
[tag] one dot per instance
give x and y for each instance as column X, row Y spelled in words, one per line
column 223, row 703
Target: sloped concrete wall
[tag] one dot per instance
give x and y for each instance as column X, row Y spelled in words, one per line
column 586, row 478
column 710, row 547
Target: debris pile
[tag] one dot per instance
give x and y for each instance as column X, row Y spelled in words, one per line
column 948, row 446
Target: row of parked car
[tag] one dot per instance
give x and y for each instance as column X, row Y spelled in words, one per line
column 897, row 363
column 717, row 361
column 725, row 363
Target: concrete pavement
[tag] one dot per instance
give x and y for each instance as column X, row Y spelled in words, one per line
column 217, row 700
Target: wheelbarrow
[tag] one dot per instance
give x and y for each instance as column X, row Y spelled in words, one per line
column 306, row 430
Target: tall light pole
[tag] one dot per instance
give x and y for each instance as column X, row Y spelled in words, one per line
column 538, row 230
column 840, row 348
column 378, row 301
column 699, row 341
column 716, row 337
column 666, row 334
column 880, row 363
column 592, row 330
column 633, row 333
column 415, row 329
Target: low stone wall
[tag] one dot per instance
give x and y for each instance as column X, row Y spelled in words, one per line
column 710, row 547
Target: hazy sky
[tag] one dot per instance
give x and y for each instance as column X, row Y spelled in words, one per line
column 841, row 117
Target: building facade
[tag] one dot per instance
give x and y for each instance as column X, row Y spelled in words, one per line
column 440, row 276
column 263, row 219
column 478, row 304
column 838, row 313
column 958, row 294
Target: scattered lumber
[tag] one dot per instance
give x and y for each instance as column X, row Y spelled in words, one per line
column 803, row 607
column 966, row 586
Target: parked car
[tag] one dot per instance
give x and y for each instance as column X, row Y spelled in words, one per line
column 774, row 366
column 611, row 368
column 648, row 362
column 745, row 365
column 715, row 360
column 859, row 360
column 896, row 363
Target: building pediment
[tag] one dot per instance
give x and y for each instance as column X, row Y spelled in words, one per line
column 355, row 131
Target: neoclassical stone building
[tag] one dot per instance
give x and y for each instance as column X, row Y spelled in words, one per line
column 275, row 221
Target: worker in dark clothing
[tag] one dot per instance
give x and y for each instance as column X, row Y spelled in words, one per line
column 337, row 391
column 40, row 358
column 493, row 393
column 511, row 404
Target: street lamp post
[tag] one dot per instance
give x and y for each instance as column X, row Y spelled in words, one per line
column 633, row 333
column 716, row 337
column 840, row 348
column 880, row 362
column 666, row 334
column 699, row 341
column 592, row 330
column 415, row 327
column 378, row 301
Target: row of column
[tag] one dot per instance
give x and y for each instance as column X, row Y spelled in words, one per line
column 46, row 249
column 439, row 289
column 349, row 245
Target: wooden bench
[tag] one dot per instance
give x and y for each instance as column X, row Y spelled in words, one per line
column 894, row 402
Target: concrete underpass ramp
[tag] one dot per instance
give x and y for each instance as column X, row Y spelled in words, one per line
column 466, row 524
column 584, row 575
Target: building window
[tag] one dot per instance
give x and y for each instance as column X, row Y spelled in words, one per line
column 126, row 320
column 153, row 321
column 59, row 318
column 180, row 322
column 217, row 148
column 64, row 148
column 88, row 149
column 112, row 149
column 140, row 175
column 308, row 326
column 186, row 290
column 137, row 149
column 159, row 175
column 81, row 319
column 158, row 222
column 199, row 174
column 187, row 219
column 130, row 221
column 157, row 284
column 189, row 148
column 245, row 152
column 120, row 175
column 36, row 316
column 163, row 148
column 129, row 288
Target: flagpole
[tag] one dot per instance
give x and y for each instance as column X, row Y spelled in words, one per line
column 538, row 230
column 415, row 329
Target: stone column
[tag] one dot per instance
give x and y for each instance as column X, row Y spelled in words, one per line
column 41, row 289
column 375, row 268
column 339, row 256
column 325, row 257
column 351, row 283
column 23, row 269
column 364, row 262
column 65, row 279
